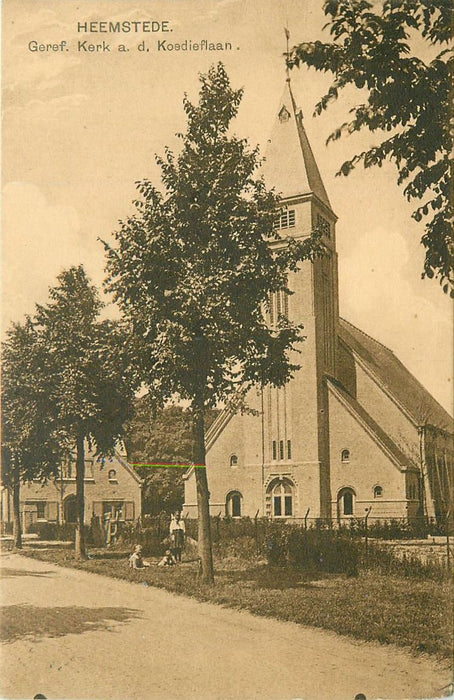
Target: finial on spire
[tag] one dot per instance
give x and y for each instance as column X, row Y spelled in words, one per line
column 287, row 54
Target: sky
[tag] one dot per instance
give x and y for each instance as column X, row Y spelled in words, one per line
column 80, row 128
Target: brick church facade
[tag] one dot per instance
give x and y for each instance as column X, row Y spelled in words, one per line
column 353, row 429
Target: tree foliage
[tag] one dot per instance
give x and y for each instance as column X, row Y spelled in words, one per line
column 161, row 438
column 192, row 270
column 90, row 379
column 405, row 96
column 30, row 441
column 29, row 426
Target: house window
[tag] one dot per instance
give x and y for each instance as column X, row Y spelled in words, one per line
column 346, row 502
column 274, row 450
column 285, row 219
column 233, row 504
column 323, row 226
column 281, row 491
column 41, row 510
column 345, row 455
column 233, row 460
column 112, row 475
column 378, row 491
column 114, row 509
column 289, row 449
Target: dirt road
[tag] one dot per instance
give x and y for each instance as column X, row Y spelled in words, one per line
column 71, row 634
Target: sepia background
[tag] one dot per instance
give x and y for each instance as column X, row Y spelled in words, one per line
column 80, row 128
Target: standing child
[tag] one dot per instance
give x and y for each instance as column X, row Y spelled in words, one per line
column 177, row 533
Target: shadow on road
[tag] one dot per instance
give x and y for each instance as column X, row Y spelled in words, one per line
column 32, row 622
column 8, row 573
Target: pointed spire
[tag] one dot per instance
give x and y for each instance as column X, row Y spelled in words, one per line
column 289, row 164
column 287, row 53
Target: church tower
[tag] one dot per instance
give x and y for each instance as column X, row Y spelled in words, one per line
column 296, row 416
column 275, row 462
column 344, row 436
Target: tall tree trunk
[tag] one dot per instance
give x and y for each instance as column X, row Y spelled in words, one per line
column 198, row 427
column 80, row 499
column 203, row 496
column 17, row 527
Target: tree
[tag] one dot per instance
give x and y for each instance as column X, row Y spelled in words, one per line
column 161, row 438
column 406, row 97
column 90, row 375
column 30, row 444
column 192, row 270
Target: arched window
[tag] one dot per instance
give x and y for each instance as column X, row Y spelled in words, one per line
column 112, row 475
column 345, row 455
column 378, row 491
column 233, row 504
column 233, row 460
column 346, row 502
column 282, row 494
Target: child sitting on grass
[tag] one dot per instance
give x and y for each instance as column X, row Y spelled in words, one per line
column 135, row 560
column 168, row 559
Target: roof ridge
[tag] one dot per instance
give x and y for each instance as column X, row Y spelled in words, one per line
column 373, row 363
column 385, row 440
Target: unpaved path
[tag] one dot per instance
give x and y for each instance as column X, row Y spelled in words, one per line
column 79, row 635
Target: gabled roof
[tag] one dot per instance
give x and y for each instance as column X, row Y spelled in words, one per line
column 381, row 438
column 213, row 432
column 395, row 378
column 124, row 463
column 289, row 164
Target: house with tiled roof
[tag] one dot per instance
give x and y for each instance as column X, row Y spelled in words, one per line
column 353, row 432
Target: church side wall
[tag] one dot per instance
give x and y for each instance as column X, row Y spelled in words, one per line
column 387, row 414
column 242, row 438
column 366, row 468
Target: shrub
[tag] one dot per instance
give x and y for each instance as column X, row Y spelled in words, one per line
column 407, row 565
column 55, row 531
column 315, row 549
column 152, row 537
column 243, row 547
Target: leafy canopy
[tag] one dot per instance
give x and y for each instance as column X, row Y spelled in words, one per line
column 90, row 378
column 193, row 267
column 161, row 438
column 404, row 96
column 30, row 438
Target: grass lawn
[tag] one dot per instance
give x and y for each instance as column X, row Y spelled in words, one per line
column 390, row 610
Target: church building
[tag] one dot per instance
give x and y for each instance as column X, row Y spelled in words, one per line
column 353, row 430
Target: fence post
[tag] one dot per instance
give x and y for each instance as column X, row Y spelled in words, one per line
column 448, row 551
column 256, row 533
column 366, row 537
column 306, row 546
column 218, row 518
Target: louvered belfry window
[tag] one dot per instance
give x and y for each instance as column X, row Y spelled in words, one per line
column 278, row 305
column 286, row 218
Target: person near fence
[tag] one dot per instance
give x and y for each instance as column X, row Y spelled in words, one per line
column 136, row 560
column 177, row 534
